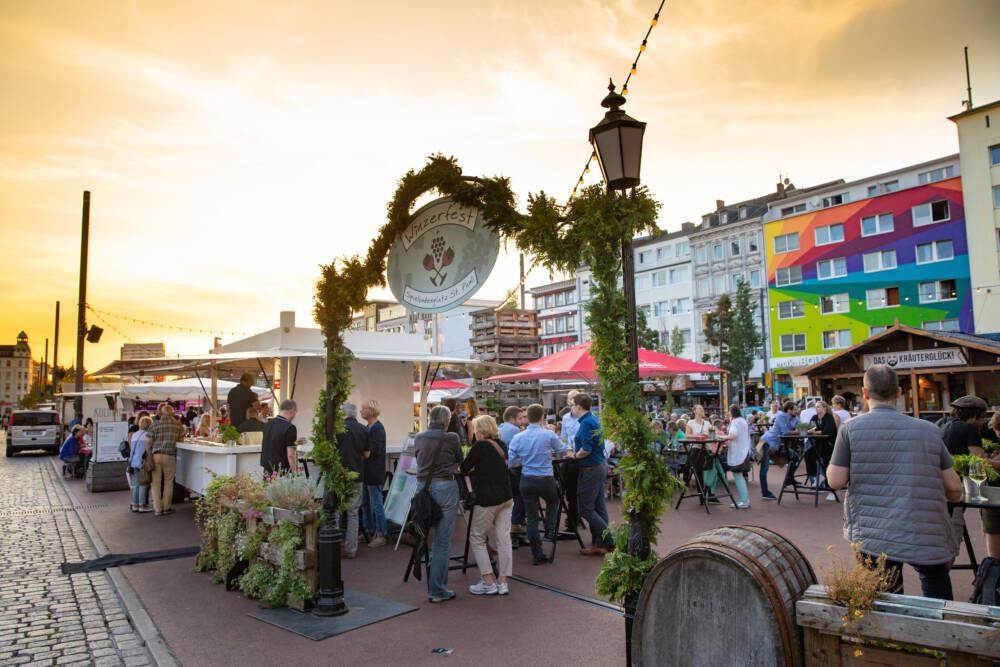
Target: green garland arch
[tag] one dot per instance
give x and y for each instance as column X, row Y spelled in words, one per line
column 590, row 230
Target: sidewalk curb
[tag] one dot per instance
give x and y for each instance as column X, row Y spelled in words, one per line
column 158, row 649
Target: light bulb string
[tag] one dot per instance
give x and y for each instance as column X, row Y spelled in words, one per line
column 632, row 70
column 135, row 320
column 112, row 327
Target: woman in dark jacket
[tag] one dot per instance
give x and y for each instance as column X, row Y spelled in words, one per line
column 823, row 423
column 486, row 465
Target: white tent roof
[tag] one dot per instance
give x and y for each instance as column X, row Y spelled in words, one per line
column 180, row 390
column 439, row 395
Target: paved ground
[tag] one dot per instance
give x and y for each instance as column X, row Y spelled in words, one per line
column 47, row 617
column 205, row 625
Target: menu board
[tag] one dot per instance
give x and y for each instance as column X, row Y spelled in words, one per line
column 109, row 436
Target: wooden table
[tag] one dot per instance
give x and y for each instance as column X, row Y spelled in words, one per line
column 993, row 494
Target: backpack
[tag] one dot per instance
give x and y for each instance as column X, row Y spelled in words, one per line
column 986, row 587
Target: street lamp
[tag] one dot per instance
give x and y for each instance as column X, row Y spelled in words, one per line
column 617, row 142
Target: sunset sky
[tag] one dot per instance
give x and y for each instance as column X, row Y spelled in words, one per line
column 232, row 147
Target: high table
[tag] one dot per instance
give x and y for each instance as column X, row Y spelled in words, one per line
column 794, row 444
column 700, row 457
column 992, row 493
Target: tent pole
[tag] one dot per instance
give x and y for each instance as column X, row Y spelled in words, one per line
column 215, row 396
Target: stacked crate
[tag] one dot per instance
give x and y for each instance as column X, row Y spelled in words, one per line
column 508, row 337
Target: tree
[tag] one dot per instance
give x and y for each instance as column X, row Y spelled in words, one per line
column 676, row 342
column 31, row 400
column 674, row 348
column 648, row 339
column 732, row 330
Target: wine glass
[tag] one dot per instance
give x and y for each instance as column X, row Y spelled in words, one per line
column 977, row 473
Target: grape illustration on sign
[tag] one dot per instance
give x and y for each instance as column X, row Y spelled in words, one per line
column 442, row 257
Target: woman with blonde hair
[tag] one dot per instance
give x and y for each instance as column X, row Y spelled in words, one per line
column 486, row 465
column 372, row 510
column 204, row 429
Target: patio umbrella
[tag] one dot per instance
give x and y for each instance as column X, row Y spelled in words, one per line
column 576, row 363
column 441, row 384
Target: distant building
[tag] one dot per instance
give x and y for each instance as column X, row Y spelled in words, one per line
column 846, row 261
column 979, row 156
column 663, row 285
column 143, row 351
column 15, row 370
column 560, row 315
column 452, row 325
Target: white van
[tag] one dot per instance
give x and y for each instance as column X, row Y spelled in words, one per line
column 33, row 429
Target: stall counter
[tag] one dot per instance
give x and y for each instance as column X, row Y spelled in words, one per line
column 197, row 459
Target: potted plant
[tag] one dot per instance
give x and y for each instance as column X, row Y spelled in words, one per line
column 230, row 435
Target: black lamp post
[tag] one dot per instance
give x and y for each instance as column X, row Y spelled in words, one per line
column 617, row 142
column 330, row 600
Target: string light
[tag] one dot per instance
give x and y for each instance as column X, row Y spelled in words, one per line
column 632, row 70
column 112, row 327
column 171, row 327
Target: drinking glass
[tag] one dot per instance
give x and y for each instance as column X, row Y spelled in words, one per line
column 977, row 473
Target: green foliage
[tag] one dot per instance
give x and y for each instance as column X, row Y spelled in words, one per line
column 622, row 573
column 30, row 400
column 273, row 585
column 961, row 466
column 229, row 433
column 648, row 339
column 291, row 492
column 991, row 447
column 227, row 527
column 676, row 342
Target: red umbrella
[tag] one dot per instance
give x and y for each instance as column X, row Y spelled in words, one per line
column 441, row 384
column 576, row 363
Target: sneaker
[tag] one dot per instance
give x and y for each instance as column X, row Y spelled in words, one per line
column 770, row 496
column 143, row 509
column 502, row 589
column 483, row 588
column 832, row 498
column 739, row 506
column 540, row 560
column 444, row 597
column 377, row 542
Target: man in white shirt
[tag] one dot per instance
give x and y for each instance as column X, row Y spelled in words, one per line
column 808, row 413
column 838, row 410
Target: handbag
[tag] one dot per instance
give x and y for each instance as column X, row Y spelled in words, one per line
column 124, row 450
column 745, row 466
column 146, row 470
column 424, row 510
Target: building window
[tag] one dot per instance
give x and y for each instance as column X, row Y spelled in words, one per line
column 663, row 253
column 683, row 248
column 550, row 326
column 717, row 251
column 996, row 196
column 647, row 310
column 790, row 310
column 734, row 248
column 680, row 306
column 830, row 234
column 549, row 300
column 561, row 322
column 937, row 290
column 883, row 297
column 701, row 255
column 755, row 278
column 928, row 214
column 941, row 325
column 995, row 155
column 831, row 268
column 935, row 175
column 876, row 224
column 661, row 308
column 786, row 243
column 752, row 243
column 791, row 275
column 880, row 260
column 936, row 251
column 686, row 336
column 735, row 280
column 890, row 186
column 641, row 283
column 659, row 278
column 872, row 331
column 718, row 285
column 644, row 257
column 743, row 212
column 872, row 190
column 836, row 340
column 571, row 296
column 834, row 303
column 792, row 210
column 793, row 342
column 704, row 287
column 560, row 298
column 679, row 275
column 836, row 200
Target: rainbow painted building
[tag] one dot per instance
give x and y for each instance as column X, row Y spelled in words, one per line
column 846, row 261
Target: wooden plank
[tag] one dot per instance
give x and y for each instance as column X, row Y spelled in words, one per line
column 881, row 656
column 296, row 518
column 822, row 650
column 304, row 559
column 966, row 660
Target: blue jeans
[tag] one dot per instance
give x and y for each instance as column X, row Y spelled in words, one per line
column 372, row 512
column 590, row 501
column 445, row 492
column 139, row 493
column 533, row 488
column 764, row 465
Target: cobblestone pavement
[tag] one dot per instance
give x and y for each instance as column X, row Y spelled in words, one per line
column 46, row 617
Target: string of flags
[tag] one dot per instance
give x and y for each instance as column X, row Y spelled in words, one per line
column 633, row 70
column 171, row 327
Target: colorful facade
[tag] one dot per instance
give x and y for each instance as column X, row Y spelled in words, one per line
column 838, row 274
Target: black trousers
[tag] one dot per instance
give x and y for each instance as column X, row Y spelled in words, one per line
column 935, row 580
column 570, row 477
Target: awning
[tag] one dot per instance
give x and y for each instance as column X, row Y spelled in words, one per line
column 702, row 391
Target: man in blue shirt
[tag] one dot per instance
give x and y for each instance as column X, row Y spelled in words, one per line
column 533, row 449
column 589, row 446
column 785, row 422
column 571, row 469
column 508, row 429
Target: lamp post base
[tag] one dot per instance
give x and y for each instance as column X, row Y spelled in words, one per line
column 331, row 586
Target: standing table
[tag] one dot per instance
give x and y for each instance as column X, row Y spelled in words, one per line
column 992, row 493
column 699, row 457
column 794, row 443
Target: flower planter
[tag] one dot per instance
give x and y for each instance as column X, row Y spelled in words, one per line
column 968, row 634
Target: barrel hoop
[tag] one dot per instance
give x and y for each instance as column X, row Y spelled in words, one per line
column 780, row 545
column 767, row 583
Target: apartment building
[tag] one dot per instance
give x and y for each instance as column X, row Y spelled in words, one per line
column 979, row 156
column 846, row 260
column 15, row 370
column 452, row 326
column 663, row 285
column 560, row 315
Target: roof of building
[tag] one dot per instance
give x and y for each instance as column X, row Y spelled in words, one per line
column 975, row 110
column 683, row 232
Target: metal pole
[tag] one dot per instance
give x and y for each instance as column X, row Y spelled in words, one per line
column 81, row 312
column 764, row 343
column 55, row 352
column 968, row 78
column 43, row 381
column 522, row 280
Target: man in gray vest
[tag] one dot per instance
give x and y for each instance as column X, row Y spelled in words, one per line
column 899, row 477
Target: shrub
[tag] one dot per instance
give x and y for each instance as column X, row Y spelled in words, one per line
column 291, row 492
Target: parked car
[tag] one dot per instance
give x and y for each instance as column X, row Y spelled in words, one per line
column 33, row 429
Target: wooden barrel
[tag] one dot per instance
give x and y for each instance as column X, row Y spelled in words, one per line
column 727, row 597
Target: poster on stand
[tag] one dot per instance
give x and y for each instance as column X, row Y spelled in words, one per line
column 108, row 436
column 402, row 490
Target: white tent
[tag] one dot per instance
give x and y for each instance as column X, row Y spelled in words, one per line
column 435, row 396
column 188, row 389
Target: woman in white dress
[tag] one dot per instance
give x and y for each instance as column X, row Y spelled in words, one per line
column 739, row 449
